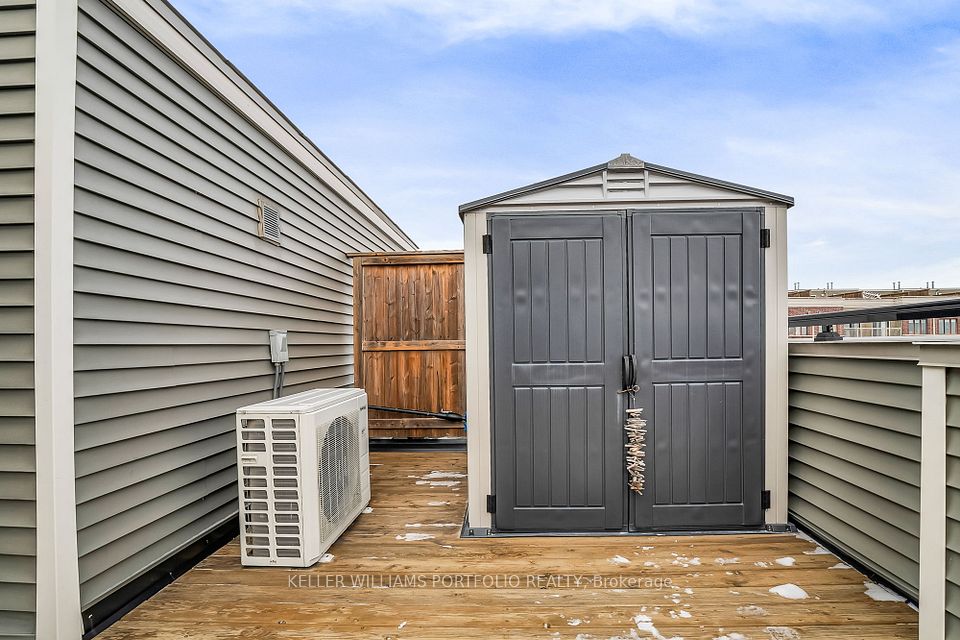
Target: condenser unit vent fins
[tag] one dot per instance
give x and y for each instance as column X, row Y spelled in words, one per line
column 269, row 227
column 339, row 472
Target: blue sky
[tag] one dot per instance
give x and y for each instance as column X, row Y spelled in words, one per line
column 853, row 108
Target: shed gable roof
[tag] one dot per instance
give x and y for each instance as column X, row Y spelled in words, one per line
column 625, row 178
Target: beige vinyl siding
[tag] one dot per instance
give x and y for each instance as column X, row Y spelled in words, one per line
column 17, row 430
column 854, row 468
column 953, row 504
column 174, row 294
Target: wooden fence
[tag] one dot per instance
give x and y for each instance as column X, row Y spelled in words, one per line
column 409, row 340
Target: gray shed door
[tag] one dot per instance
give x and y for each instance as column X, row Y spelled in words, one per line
column 558, row 297
column 697, row 335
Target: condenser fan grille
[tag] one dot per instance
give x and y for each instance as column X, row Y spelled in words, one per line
column 338, row 472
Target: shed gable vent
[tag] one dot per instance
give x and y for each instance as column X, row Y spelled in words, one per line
column 269, row 227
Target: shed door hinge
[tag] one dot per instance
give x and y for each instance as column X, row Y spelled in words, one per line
column 765, row 499
column 764, row 238
column 487, row 243
column 491, row 504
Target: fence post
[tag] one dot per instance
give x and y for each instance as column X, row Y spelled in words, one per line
column 933, row 500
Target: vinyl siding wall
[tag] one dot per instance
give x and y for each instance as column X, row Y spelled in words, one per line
column 174, row 294
column 17, row 431
column 854, row 468
column 953, row 504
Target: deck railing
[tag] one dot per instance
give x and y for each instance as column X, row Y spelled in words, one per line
column 874, row 467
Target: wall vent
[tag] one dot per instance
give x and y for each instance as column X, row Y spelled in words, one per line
column 269, row 225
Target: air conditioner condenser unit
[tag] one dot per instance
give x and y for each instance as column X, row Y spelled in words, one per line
column 304, row 474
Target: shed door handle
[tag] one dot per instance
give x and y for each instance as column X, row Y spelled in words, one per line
column 629, row 372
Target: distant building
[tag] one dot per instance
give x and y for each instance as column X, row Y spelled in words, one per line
column 807, row 301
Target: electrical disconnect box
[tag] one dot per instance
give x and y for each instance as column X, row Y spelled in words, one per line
column 278, row 346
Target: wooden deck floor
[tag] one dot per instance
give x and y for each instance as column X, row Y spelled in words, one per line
column 685, row 586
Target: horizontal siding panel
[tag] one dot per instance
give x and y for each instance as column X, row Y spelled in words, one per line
column 18, row 569
column 16, row 320
column 17, row 211
column 885, row 371
column 105, row 357
column 102, row 407
column 17, row 429
column 16, row 265
column 16, row 128
column 109, row 505
column 142, row 218
column 17, row 485
column 894, row 466
column 20, row 100
column 90, row 461
column 16, row 348
column 901, row 493
column 17, row 457
column 125, row 247
column 865, row 435
column 92, row 306
column 105, row 382
column 104, row 534
column 18, row 541
column 18, row 47
column 19, row 514
column 203, row 291
column 16, row 293
column 16, row 154
column 17, row 73
column 17, row 20
column 16, row 182
column 17, row 237
column 898, row 396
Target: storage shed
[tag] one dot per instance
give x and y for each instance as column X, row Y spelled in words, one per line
column 626, row 285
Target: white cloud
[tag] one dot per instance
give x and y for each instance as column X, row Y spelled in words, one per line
column 459, row 20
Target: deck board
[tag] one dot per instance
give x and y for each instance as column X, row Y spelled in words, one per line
column 704, row 586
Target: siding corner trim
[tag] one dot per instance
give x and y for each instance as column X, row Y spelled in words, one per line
column 58, row 590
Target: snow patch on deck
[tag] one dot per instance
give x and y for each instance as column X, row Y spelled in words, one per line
column 645, row 623
column 882, row 594
column 786, row 561
column 782, row 633
column 725, row 561
column 327, row 557
column 789, row 591
column 410, row 537
column 841, row 565
column 619, row 560
column 751, row 610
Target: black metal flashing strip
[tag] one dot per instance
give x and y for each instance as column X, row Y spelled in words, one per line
column 945, row 308
column 104, row 613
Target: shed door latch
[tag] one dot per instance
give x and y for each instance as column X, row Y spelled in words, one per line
column 491, row 504
column 487, row 243
column 765, row 499
column 764, row 238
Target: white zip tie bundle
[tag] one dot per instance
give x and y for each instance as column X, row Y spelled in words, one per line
column 636, row 428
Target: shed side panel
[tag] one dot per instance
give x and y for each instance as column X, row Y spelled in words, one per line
column 175, row 292
column 17, row 427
